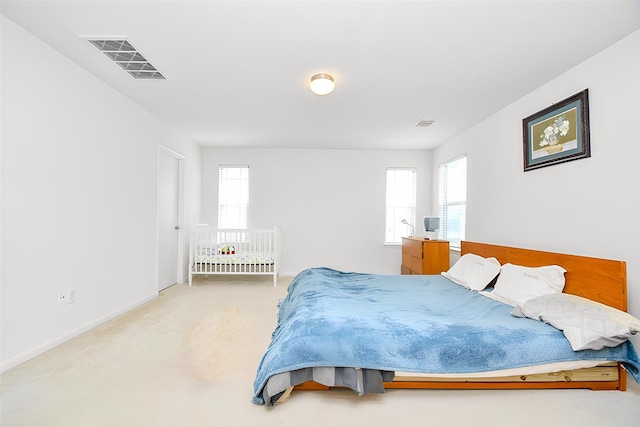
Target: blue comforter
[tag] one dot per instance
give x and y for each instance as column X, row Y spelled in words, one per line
column 422, row 324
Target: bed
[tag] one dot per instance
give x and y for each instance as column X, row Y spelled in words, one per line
column 234, row 251
column 373, row 332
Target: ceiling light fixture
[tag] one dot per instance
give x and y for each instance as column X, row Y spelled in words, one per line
column 322, row 84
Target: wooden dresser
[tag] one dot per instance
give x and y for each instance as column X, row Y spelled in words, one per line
column 421, row 256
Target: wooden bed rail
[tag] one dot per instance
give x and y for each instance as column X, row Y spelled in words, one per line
column 597, row 279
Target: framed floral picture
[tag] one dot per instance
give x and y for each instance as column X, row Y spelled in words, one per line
column 558, row 133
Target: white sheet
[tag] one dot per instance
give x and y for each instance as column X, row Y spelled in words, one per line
column 527, row 370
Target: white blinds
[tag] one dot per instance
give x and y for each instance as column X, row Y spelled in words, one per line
column 453, row 200
column 233, row 196
column 401, row 203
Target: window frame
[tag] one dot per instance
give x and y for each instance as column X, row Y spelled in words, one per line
column 393, row 210
column 448, row 225
column 241, row 206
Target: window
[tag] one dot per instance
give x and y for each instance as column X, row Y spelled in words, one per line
column 401, row 203
column 233, row 196
column 453, row 200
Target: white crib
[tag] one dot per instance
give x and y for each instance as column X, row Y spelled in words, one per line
column 254, row 251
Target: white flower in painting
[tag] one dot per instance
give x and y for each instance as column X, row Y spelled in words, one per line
column 548, row 137
column 553, row 132
column 564, row 127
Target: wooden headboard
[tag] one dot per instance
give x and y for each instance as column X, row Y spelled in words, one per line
column 598, row 279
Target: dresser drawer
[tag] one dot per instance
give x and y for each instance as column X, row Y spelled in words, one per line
column 424, row 256
column 412, row 247
column 415, row 264
column 411, row 263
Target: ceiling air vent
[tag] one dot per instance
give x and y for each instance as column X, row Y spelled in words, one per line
column 122, row 52
column 423, row 123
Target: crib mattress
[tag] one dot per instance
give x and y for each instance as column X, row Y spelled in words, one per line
column 250, row 258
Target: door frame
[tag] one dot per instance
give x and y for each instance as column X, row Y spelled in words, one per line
column 162, row 150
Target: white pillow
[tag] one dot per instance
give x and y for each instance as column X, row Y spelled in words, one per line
column 473, row 271
column 586, row 324
column 517, row 284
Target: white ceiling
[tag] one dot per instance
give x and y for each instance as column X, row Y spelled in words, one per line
column 239, row 70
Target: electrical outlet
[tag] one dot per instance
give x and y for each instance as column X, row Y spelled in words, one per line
column 63, row 298
column 72, row 296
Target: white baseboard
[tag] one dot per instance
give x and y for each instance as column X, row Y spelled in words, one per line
column 288, row 274
column 36, row 351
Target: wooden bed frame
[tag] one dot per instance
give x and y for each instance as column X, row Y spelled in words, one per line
column 598, row 279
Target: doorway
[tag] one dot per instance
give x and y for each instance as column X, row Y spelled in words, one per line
column 169, row 218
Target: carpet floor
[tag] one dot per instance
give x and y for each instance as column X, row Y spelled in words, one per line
column 189, row 358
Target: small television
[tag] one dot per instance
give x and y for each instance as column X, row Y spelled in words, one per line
column 431, row 227
column 431, row 223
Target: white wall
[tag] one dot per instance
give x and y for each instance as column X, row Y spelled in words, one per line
column 79, row 164
column 587, row 207
column 329, row 203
